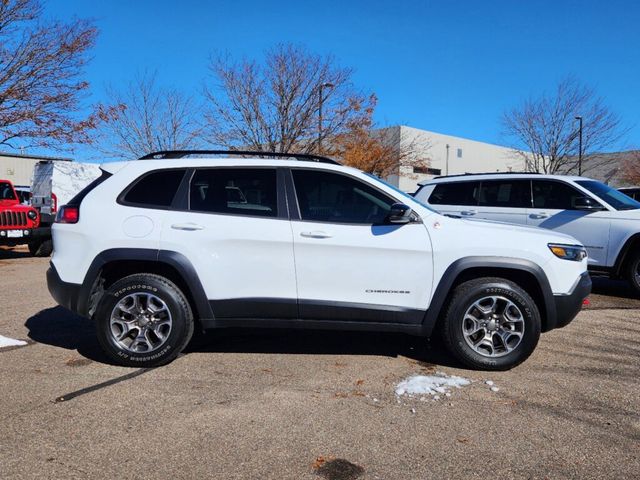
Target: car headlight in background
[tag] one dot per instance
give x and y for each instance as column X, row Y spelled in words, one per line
column 568, row 252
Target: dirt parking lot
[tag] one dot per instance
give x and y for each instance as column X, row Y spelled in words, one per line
column 296, row 405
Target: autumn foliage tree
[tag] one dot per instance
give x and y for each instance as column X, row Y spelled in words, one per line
column 274, row 105
column 41, row 85
column 381, row 152
column 147, row 117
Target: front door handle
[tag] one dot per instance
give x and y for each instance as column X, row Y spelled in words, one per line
column 539, row 216
column 315, row 234
column 189, row 227
column 468, row 213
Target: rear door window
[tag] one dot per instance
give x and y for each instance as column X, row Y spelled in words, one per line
column 505, row 193
column 235, row 191
column 455, row 193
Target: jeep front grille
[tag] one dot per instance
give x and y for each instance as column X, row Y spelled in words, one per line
column 13, row 219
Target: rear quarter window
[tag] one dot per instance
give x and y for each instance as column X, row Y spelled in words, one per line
column 154, row 190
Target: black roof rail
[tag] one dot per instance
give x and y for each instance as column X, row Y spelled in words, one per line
column 167, row 154
column 486, row 173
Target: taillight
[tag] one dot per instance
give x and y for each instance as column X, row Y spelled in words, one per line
column 54, row 203
column 68, row 214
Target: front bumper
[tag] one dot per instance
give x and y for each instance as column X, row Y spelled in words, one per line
column 25, row 237
column 569, row 305
column 64, row 293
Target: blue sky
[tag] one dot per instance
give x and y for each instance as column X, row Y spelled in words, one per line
column 447, row 66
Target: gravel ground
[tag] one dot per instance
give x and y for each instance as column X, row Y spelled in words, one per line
column 296, row 405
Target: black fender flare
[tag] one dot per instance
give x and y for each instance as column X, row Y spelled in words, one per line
column 176, row 260
column 458, row 267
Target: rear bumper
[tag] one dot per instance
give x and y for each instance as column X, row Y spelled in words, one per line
column 568, row 306
column 64, row 293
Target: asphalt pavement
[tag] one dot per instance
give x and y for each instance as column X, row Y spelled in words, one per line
column 251, row 404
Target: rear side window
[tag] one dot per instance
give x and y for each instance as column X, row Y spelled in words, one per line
column 235, row 191
column 455, row 193
column 156, row 189
column 554, row 195
column 505, row 193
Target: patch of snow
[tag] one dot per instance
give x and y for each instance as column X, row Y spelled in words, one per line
column 494, row 389
column 430, row 384
column 10, row 342
column 413, row 410
column 489, row 382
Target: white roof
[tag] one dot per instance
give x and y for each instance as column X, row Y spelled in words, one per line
column 469, row 177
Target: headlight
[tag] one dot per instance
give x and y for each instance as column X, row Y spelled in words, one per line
column 568, row 252
column 32, row 214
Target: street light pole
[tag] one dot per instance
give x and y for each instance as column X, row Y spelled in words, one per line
column 446, row 171
column 579, row 118
column 320, row 101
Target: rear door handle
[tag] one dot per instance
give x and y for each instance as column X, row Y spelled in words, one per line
column 539, row 215
column 315, row 234
column 468, row 213
column 189, row 227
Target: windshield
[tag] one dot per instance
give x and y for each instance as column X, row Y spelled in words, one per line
column 613, row 197
column 397, row 190
column 6, row 192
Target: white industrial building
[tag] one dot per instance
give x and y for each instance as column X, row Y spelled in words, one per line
column 449, row 155
column 18, row 168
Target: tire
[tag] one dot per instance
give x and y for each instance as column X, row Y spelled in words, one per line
column 143, row 320
column 480, row 305
column 41, row 249
column 633, row 272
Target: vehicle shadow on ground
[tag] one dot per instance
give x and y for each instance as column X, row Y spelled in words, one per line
column 60, row 328
column 10, row 254
column 607, row 293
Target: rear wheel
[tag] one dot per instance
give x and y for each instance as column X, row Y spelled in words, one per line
column 491, row 324
column 144, row 320
column 633, row 272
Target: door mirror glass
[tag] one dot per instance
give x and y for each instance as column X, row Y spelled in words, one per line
column 586, row 203
column 399, row 214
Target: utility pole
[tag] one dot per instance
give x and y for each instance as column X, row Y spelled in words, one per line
column 446, row 171
column 320, row 101
column 579, row 118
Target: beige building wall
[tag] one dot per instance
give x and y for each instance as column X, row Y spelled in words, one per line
column 18, row 169
column 465, row 156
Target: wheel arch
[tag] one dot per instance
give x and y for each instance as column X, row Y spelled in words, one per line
column 111, row 265
column 525, row 273
column 624, row 253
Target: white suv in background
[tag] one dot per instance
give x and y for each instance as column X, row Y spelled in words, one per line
column 604, row 220
column 154, row 247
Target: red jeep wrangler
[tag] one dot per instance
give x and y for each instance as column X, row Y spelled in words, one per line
column 17, row 222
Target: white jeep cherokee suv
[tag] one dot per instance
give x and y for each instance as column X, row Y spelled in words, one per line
column 604, row 220
column 157, row 246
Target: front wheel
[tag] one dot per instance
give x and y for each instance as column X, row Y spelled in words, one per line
column 143, row 320
column 491, row 324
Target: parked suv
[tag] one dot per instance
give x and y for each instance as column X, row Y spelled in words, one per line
column 17, row 222
column 156, row 246
column 605, row 220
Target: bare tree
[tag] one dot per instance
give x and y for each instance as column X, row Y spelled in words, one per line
column 149, row 118
column 275, row 105
column 546, row 133
column 380, row 151
column 41, row 65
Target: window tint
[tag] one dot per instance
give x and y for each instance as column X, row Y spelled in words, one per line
column 554, row 195
column 6, row 192
column 331, row 197
column 505, row 193
column 613, row 197
column 237, row 191
column 156, row 189
column 455, row 193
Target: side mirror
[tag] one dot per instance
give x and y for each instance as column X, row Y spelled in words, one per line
column 586, row 203
column 399, row 214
